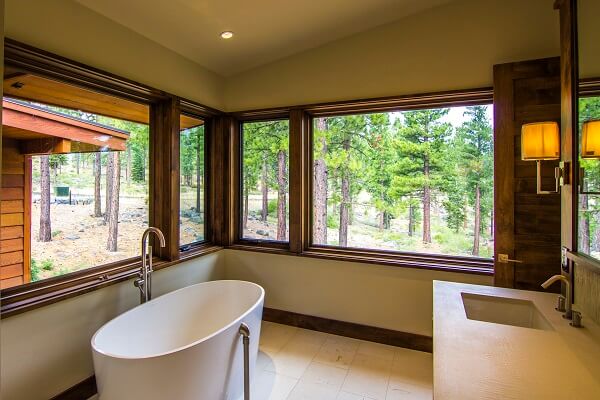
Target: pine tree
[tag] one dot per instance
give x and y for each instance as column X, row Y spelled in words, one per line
column 475, row 139
column 421, row 143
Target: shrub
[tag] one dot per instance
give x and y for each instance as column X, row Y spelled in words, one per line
column 272, row 208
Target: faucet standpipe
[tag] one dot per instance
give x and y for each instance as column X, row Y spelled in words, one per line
column 144, row 280
column 568, row 309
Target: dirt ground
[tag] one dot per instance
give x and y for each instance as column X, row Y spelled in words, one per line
column 79, row 240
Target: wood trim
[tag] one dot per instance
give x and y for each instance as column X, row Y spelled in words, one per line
column 504, row 212
column 19, row 299
column 43, row 63
column 378, row 104
column 357, row 331
column 297, row 180
column 164, row 175
column 27, row 221
column 81, row 391
column 588, row 87
column 569, row 133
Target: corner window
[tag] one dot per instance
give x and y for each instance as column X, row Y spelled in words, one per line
column 192, row 182
column 412, row 181
column 264, row 183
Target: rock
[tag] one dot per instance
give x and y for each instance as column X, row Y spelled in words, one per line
column 82, row 230
column 196, row 220
column 72, row 237
column 262, row 233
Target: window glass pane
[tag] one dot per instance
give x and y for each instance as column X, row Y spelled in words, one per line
column 191, row 190
column 414, row 181
column 90, row 208
column 589, row 204
column 75, row 179
column 265, row 169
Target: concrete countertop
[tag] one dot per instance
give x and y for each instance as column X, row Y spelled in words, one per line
column 481, row 360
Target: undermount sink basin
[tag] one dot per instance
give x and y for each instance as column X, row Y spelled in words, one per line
column 504, row 310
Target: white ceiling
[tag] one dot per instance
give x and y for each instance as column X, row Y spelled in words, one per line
column 265, row 30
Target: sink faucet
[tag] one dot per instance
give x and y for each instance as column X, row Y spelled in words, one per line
column 144, row 280
column 568, row 314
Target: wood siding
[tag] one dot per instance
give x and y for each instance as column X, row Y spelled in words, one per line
column 15, row 216
column 527, row 225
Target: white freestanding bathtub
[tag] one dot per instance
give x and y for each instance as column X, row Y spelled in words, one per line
column 183, row 345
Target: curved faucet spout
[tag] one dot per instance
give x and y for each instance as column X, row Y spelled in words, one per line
column 569, row 306
column 144, row 283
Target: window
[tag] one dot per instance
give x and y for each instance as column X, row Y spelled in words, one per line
column 265, row 187
column 411, row 181
column 191, row 183
column 589, row 202
column 76, row 180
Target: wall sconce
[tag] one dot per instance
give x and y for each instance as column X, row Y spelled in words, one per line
column 590, row 148
column 541, row 141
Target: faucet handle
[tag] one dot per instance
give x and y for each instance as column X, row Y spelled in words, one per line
column 576, row 320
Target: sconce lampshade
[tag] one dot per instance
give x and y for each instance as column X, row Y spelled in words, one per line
column 590, row 139
column 540, row 141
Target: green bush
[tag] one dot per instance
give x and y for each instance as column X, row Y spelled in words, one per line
column 333, row 221
column 272, row 208
column 35, row 271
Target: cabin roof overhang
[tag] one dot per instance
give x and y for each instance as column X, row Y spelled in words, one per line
column 41, row 131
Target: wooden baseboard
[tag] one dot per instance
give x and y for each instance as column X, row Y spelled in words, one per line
column 81, row 391
column 357, row 331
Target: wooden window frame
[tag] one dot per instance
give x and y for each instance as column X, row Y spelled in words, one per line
column 301, row 180
column 196, row 112
column 164, row 111
column 236, row 192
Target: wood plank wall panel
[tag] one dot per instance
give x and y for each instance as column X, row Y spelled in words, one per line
column 530, row 92
column 14, row 224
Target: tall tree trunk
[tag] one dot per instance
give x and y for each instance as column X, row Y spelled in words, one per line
column 45, row 234
column 584, row 224
column 199, row 176
column 381, row 223
column 128, row 166
column 264, row 182
column 411, row 220
column 113, row 219
column 492, row 223
column 426, row 203
column 477, row 223
column 320, row 188
column 245, row 216
column 596, row 243
column 109, row 185
column 281, row 195
column 77, row 161
column 97, row 177
column 345, row 205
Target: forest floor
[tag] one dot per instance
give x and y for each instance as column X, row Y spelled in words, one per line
column 363, row 232
column 79, row 239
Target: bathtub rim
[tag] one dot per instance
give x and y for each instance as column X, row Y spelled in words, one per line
column 189, row 345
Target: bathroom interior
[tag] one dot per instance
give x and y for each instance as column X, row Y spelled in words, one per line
column 345, row 200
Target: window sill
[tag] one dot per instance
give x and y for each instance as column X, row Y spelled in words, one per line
column 34, row 295
column 467, row 265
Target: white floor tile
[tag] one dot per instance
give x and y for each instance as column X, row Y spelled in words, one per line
column 319, row 382
column 368, row 376
column 272, row 386
column 293, row 359
column 338, row 351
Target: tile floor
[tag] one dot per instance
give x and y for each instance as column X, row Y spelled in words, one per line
column 299, row 364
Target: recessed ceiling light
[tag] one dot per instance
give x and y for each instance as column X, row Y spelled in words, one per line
column 227, row 35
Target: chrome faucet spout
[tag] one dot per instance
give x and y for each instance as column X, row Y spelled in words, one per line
column 144, row 282
column 569, row 306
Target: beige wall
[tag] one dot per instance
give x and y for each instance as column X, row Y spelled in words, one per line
column 47, row 350
column 449, row 47
column 73, row 31
column 387, row 297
